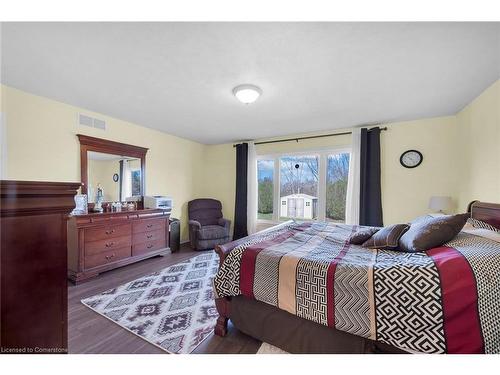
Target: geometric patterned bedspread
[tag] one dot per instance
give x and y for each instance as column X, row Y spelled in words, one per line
column 446, row 300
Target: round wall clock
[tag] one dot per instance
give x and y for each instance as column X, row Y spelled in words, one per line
column 411, row 159
column 116, row 177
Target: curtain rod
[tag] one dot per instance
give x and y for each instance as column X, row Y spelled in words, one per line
column 302, row 138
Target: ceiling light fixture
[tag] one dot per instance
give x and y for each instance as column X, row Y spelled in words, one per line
column 247, row 94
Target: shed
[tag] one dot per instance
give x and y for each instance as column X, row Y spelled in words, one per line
column 300, row 206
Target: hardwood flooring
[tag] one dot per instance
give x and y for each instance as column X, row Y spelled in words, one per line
column 89, row 332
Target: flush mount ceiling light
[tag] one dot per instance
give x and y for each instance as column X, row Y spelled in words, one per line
column 247, row 93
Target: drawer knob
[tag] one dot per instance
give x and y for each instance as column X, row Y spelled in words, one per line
column 149, row 225
column 149, row 236
column 110, row 231
column 110, row 244
column 108, row 257
column 150, row 246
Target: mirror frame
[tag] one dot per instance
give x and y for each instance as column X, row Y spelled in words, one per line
column 109, row 147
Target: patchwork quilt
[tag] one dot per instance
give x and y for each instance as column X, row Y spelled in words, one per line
column 446, row 300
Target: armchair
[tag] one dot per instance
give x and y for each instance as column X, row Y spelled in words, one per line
column 207, row 227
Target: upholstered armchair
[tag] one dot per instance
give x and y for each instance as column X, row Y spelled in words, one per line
column 207, row 227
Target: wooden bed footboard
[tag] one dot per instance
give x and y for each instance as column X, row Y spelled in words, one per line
column 223, row 305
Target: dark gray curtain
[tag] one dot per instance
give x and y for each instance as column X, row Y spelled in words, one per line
column 120, row 181
column 370, row 205
column 240, row 208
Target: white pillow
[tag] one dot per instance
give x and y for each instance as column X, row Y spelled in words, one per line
column 481, row 232
column 481, row 224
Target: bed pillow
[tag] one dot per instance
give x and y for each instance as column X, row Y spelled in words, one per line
column 362, row 235
column 387, row 238
column 420, row 218
column 481, row 232
column 481, row 225
column 431, row 232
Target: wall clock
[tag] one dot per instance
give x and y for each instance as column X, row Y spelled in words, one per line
column 116, row 177
column 411, row 159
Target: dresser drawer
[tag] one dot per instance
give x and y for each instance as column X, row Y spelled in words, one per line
column 149, row 236
column 96, row 247
column 146, row 247
column 149, row 225
column 106, row 257
column 107, row 231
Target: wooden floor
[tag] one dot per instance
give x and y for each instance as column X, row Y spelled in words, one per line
column 88, row 332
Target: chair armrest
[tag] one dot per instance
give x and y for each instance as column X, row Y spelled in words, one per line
column 194, row 224
column 225, row 223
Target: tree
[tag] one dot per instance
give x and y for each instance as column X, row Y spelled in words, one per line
column 303, row 179
column 338, row 167
column 265, row 199
column 336, row 187
column 335, row 202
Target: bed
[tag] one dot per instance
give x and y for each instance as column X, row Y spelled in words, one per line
column 302, row 287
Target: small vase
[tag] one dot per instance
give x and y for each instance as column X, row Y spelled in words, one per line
column 81, row 205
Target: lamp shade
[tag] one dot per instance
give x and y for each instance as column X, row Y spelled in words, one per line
column 440, row 204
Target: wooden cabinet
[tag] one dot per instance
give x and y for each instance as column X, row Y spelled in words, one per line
column 33, row 294
column 101, row 242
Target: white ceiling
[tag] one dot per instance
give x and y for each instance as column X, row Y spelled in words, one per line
column 178, row 77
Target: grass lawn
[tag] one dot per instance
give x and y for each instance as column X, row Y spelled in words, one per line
column 262, row 216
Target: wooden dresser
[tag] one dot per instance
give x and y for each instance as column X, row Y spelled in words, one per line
column 34, row 303
column 102, row 242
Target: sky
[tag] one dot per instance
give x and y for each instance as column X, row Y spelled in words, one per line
column 265, row 169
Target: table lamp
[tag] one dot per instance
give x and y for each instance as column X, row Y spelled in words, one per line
column 440, row 204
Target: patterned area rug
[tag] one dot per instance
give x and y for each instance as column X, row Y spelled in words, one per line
column 266, row 348
column 173, row 309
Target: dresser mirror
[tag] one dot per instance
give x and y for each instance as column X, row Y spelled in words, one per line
column 113, row 177
column 112, row 171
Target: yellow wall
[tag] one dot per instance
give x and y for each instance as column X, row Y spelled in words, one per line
column 406, row 192
column 101, row 172
column 478, row 127
column 461, row 155
column 42, row 145
column 219, row 176
column 461, row 160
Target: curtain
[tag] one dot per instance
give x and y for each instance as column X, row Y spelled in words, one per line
column 252, row 189
column 370, row 203
column 121, row 179
column 125, row 181
column 240, row 207
column 353, row 181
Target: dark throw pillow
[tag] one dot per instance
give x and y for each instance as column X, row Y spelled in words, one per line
column 362, row 235
column 431, row 232
column 387, row 238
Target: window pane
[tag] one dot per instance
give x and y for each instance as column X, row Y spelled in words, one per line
column 136, row 182
column 299, row 187
column 265, row 174
column 336, row 186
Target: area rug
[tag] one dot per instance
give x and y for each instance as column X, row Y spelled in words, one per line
column 266, row 348
column 173, row 309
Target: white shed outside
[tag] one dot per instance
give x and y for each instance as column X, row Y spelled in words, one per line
column 301, row 206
